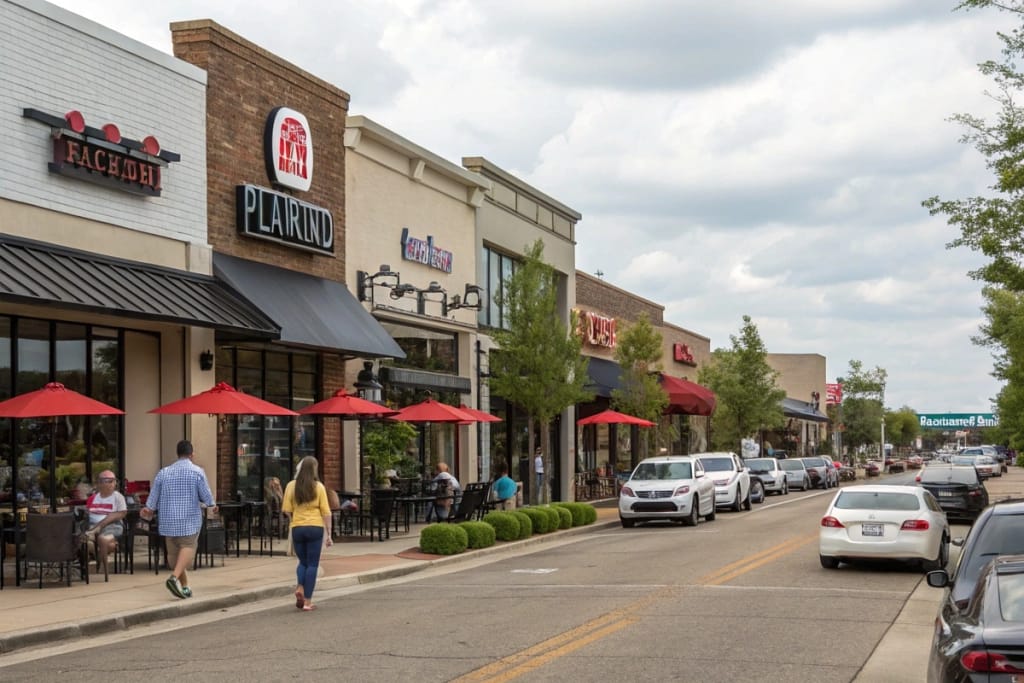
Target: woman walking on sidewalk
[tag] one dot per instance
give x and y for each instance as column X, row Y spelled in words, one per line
column 305, row 501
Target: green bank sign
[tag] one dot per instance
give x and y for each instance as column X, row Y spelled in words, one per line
column 957, row 420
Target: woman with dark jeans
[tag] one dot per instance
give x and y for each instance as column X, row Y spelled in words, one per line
column 305, row 501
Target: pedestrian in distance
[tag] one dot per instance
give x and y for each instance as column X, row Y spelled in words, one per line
column 538, row 468
column 446, row 488
column 177, row 497
column 306, row 503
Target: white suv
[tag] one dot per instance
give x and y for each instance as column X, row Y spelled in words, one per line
column 731, row 478
column 667, row 487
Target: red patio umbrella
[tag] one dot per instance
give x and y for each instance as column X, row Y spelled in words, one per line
column 53, row 400
column 479, row 415
column 432, row 411
column 223, row 399
column 344, row 405
column 614, row 417
column 686, row 397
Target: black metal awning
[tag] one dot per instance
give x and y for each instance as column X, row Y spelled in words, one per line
column 802, row 410
column 37, row 273
column 604, row 376
column 312, row 312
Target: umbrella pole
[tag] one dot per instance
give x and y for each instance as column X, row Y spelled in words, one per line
column 53, row 464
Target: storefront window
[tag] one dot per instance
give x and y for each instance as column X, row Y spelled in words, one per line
column 425, row 349
column 496, row 268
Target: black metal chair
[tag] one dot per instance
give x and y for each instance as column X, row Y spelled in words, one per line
column 56, row 540
column 382, row 507
column 473, row 498
column 150, row 531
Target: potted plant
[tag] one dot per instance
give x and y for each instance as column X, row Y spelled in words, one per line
column 384, row 447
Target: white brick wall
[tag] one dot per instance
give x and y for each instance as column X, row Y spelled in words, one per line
column 55, row 61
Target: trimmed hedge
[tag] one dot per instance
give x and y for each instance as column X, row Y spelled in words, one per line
column 525, row 524
column 564, row 516
column 575, row 509
column 443, row 539
column 480, row 534
column 506, row 524
column 589, row 513
column 539, row 519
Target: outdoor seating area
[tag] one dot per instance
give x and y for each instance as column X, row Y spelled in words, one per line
column 595, row 486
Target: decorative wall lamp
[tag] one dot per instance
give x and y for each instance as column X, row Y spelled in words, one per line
column 206, row 360
column 432, row 288
column 366, row 282
column 400, row 290
column 472, row 298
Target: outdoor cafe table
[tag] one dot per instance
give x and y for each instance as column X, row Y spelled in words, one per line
column 245, row 515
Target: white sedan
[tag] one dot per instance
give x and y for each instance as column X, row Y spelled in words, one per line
column 875, row 522
column 671, row 487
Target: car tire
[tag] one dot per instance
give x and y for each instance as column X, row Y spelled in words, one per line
column 828, row 562
column 627, row 523
column 785, row 488
column 757, row 493
column 693, row 519
column 737, row 504
column 941, row 560
column 710, row 517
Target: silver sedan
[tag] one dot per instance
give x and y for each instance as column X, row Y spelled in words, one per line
column 796, row 474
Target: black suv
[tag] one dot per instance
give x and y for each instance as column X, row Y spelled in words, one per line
column 958, row 489
column 998, row 530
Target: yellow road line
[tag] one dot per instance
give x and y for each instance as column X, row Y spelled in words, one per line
column 741, row 566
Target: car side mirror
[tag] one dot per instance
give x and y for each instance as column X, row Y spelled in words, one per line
column 958, row 541
column 938, row 578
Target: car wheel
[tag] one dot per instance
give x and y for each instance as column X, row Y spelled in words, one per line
column 940, row 560
column 828, row 562
column 737, row 504
column 757, row 494
column 785, row 488
column 694, row 517
column 627, row 523
column 710, row 517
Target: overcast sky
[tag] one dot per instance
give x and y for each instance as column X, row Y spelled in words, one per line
column 729, row 157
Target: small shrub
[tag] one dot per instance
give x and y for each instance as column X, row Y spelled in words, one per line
column 554, row 519
column 443, row 539
column 589, row 513
column 480, row 534
column 506, row 524
column 538, row 518
column 525, row 524
column 564, row 516
column 1020, row 460
column 576, row 510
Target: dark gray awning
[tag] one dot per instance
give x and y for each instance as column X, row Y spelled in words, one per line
column 604, row 376
column 312, row 312
column 802, row 410
column 38, row 273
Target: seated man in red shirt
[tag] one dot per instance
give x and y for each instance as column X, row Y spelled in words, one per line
column 107, row 510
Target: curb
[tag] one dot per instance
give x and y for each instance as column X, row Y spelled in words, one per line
column 122, row 621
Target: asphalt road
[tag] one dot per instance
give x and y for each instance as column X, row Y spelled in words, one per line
column 738, row 597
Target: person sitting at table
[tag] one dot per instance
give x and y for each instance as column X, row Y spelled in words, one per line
column 504, row 488
column 107, row 509
column 446, row 487
column 273, row 494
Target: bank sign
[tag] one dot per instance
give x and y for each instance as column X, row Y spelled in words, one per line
column 957, row 420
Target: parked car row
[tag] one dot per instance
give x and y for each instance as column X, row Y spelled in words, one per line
column 685, row 488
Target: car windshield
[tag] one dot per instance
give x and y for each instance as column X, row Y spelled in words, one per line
column 661, row 471
column 1001, row 535
column 791, row 465
column 814, row 462
column 949, row 475
column 877, row 500
column 1011, row 596
column 717, row 464
column 760, row 464
column 972, row 451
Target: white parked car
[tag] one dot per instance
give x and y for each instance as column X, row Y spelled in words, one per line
column 797, row 476
column 671, row 487
column 731, row 478
column 875, row 522
column 770, row 474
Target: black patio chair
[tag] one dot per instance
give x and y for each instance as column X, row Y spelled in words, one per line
column 382, row 507
column 56, row 540
column 473, row 498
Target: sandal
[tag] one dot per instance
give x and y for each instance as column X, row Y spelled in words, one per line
column 308, row 608
column 300, row 599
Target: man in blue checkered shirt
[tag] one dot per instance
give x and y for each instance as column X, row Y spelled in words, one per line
column 176, row 495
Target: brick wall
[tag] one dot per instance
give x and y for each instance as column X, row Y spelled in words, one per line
column 608, row 300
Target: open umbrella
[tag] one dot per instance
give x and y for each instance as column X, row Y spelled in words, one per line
column 432, row 411
column 479, row 415
column 686, row 397
column 344, row 405
column 54, row 400
column 614, row 417
column 223, row 399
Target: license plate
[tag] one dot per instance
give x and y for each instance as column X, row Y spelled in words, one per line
column 946, row 494
column 871, row 529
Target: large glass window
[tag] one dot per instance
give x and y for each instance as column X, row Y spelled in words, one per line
column 433, row 350
column 496, row 268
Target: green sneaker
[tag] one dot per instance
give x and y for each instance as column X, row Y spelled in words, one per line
column 187, row 591
column 174, row 586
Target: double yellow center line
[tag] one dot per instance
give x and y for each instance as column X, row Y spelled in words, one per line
column 536, row 656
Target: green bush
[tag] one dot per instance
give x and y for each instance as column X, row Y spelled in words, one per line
column 564, row 516
column 538, row 518
column 506, row 524
column 576, row 510
column 1020, row 460
column 589, row 513
column 554, row 519
column 443, row 539
column 480, row 534
column 525, row 524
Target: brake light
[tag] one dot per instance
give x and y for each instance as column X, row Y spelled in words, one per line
column 982, row 661
column 915, row 525
column 626, row 491
column 832, row 523
column 974, row 492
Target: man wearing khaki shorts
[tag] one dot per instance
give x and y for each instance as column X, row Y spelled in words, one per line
column 177, row 495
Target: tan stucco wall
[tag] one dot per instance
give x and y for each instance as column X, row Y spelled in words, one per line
column 800, row 374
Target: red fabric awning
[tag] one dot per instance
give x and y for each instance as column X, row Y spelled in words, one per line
column 686, row 397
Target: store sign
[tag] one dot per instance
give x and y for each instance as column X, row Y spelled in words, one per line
column 833, row 394
column 681, row 353
column 424, row 251
column 957, row 420
column 101, row 156
column 597, row 330
column 288, row 146
column 279, row 217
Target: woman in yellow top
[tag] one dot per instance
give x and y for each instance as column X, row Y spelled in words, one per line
column 305, row 501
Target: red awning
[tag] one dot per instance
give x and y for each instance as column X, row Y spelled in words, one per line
column 686, row 397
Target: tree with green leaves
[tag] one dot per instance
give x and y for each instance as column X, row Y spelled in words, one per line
column 638, row 353
column 992, row 224
column 863, row 404
column 539, row 366
column 902, row 427
column 749, row 400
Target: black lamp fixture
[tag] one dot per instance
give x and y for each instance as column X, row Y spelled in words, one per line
column 472, row 298
column 367, row 385
column 432, row 288
column 365, row 282
column 400, row 290
column 206, row 360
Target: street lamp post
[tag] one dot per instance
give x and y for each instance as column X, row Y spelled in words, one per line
column 369, row 389
column 882, row 445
